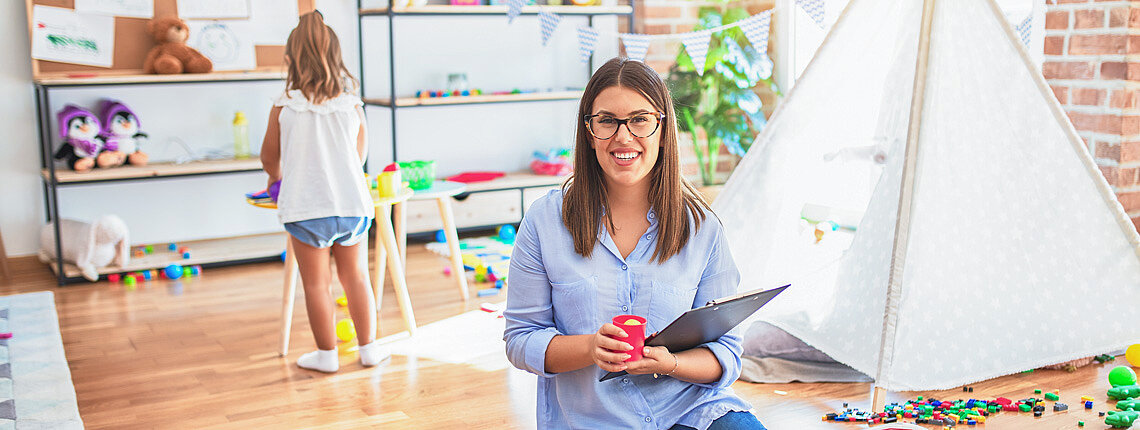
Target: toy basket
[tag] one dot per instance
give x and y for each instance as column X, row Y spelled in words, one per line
column 419, row 174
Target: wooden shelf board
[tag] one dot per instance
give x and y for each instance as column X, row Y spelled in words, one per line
column 137, row 77
column 497, row 9
column 64, row 175
column 201, row 252
column 516, row 180
column 489, row 98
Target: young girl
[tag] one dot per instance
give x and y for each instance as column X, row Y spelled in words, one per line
column 315, row 145
column 627, row 234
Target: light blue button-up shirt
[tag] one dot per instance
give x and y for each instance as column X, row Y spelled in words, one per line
column 554, row 291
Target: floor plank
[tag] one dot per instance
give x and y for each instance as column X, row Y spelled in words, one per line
column 201, row 353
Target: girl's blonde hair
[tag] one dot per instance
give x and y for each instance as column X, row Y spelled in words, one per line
column 315, row 66
column 680, row 207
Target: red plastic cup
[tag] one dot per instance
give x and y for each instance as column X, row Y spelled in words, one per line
column 635, row 334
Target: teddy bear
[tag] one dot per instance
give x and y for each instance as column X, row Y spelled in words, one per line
column 88, row 246
column 171, row 55
column 121, row 133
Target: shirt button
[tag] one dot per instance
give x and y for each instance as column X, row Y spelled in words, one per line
column 623, row 267
column 648, row 419
column 625, row 380
column 648, row 236
column 651, row 215
column 625, row 308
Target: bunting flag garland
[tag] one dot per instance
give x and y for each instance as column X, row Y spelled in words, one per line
column 514, row 8
column 697, row 45
column 814, row 8
column 1024, row 28
column 756, row 30
column 587, row 41
column 548, row 21
column 636, row 46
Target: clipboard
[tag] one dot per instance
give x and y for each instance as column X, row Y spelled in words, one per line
column 708, row 323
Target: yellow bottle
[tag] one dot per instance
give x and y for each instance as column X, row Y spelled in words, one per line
column 241, row 135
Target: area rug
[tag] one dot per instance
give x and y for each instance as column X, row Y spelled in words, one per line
column 474, row 338
column 35, row 383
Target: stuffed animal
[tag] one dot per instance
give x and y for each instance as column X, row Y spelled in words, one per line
column 120, row 132
column 88, row 246
column 170, row 54
column 82, row 145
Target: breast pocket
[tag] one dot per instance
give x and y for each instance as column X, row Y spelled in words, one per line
column 575, row 306
column 669, row 301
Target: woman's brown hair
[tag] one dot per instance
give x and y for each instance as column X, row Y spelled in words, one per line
column 315, row 66
column 671, row 196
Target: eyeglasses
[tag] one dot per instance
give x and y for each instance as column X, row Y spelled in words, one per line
column 642, row 125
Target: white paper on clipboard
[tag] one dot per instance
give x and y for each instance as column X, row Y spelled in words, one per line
column 68, row 37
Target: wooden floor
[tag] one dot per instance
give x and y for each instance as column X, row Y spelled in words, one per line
column 202, row 353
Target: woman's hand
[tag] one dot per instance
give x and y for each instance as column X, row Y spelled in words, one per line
column 609, row 353
column 654, row 359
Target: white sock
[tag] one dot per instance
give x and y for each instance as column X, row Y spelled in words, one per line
column 373, row 353
column 320, row 360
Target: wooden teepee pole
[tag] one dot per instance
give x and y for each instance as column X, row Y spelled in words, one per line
column 906, row 201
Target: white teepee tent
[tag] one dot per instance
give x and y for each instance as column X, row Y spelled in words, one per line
column 987, row 242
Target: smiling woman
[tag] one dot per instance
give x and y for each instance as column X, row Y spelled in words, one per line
column 626, row 236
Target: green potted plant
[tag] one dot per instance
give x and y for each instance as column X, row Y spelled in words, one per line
column 720, row 106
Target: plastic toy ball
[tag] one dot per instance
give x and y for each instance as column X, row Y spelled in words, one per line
column 1121, row 376
column 507, row 233
column 342, row 301
column 173, row 271
column 283, row 254
column 1132, row 354
column 440, row 236
column 345, row 330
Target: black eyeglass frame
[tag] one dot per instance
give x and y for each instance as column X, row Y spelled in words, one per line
column 586, row 118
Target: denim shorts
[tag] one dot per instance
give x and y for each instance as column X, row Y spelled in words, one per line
column 324, row 232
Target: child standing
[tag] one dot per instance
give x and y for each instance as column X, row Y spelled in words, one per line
column 315, row 145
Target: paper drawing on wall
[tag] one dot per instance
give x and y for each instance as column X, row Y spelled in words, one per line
column 224, row 44
column 65, row 36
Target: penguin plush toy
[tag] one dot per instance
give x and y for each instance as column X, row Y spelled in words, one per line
column 121, row 133
column 82, row 144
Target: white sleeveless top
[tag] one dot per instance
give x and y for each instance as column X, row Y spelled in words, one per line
column 321, row 173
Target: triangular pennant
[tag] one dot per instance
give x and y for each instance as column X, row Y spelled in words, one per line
column 514, row 8
column 636, row 46
column 756, row 30
column 587, row 41
column 1023, row 30
column 548, row 21
column 814, row 8
column 697, row 45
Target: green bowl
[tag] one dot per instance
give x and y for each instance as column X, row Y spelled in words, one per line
column 418, row 174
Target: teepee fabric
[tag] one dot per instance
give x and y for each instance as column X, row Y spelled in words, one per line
column 1015, row 242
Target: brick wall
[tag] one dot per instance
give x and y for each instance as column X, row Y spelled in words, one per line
column 1091, row 63
column 680, row 16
